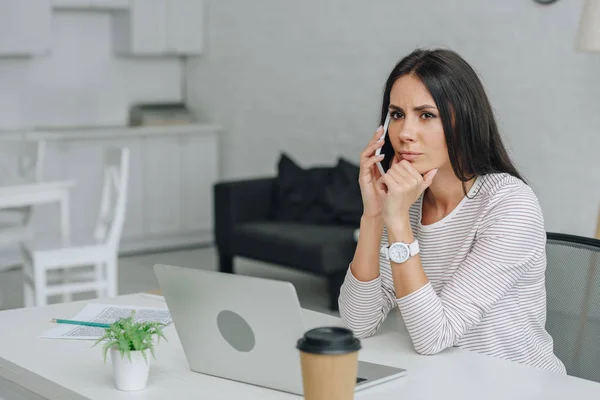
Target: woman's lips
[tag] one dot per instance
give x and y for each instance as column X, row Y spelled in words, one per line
column 410, row 156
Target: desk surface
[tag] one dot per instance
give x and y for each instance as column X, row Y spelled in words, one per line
column 60, row 369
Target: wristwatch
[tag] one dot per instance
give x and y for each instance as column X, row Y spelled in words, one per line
column 399, row 252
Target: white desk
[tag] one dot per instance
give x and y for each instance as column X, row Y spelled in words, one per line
column 32, row 194
column 61, row 369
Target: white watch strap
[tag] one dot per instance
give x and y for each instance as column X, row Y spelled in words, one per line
column 384, row 252
column 412, row 247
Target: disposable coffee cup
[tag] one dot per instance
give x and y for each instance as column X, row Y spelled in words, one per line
column 329, row 362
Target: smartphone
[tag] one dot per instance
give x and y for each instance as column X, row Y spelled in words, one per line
column 387, row 150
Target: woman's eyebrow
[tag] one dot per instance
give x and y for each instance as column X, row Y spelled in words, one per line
column 419, row 108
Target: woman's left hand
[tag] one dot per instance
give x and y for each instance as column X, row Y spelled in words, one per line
column 401, row 186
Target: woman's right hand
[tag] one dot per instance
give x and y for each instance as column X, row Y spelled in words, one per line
column 369, row 176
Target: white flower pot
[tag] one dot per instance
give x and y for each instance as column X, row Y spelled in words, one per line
column 130, row 375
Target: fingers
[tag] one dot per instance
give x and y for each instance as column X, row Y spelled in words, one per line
column 390, row 170
column 424, row 181
column 370, row 150
column 373, row 145
column 395, row 160
column 402, row 175
column 381, row 186
column 391, row 180
column 428, row 178
column 367, row 157
column 377, row 134
column 408, row 167
column 394, row 174
column 405, row 172
column 368, row 166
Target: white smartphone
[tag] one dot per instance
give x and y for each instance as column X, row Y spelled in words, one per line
column 386, row 124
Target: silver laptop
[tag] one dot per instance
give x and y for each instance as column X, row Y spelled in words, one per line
column 244, row 328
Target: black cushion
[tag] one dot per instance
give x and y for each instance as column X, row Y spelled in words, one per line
column 343, row 194
column 313, row 248
column 300, row 191
column 318, row 195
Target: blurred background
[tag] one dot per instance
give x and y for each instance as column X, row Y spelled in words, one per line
column 202, row 92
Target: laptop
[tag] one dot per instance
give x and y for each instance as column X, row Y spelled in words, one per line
column 244, row 328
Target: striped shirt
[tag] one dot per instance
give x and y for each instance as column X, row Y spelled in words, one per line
column 486, row 264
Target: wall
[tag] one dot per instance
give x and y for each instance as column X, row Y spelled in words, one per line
column 306, row 78
column 80, row 82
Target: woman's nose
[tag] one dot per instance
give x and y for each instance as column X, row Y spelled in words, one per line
column 408, row 132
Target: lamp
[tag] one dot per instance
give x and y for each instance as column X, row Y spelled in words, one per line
column 589, row 27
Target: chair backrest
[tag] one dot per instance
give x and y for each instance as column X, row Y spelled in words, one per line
column 31, row 160
column 573, row 302
column 114, row 196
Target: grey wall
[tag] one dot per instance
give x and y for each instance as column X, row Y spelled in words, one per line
column 80, row 81
column 306, row 78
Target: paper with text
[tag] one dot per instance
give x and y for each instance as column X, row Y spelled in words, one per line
column 105, row 314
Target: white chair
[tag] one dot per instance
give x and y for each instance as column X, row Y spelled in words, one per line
column 15, row 226
column 91, row 264
column 30, row 169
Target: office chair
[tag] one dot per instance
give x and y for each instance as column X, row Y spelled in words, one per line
column 573, row 302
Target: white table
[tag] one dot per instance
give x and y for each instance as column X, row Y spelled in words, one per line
column 32, row 194
column 61, row 369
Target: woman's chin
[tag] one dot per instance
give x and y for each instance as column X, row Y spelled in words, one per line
column 423, row 168
column 420, row 167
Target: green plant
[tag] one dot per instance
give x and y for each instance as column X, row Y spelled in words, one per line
column 127, row 335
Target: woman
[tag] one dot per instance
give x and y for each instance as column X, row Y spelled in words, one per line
column 451, row 233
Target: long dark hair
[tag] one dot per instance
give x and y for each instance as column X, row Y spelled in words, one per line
column 472, row 137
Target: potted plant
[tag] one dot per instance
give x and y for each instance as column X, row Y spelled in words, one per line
column 130, row 343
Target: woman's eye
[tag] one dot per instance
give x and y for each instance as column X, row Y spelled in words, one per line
column 427, row 115
column 396, row 115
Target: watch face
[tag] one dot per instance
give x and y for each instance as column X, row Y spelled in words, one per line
column 399, row 252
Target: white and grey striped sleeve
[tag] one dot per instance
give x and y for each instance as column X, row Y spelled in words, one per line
column 510, row 240
column 364, row 306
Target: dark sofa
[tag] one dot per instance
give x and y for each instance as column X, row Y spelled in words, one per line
column 302, row 219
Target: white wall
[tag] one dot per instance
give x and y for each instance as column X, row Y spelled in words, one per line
column 306, row 77
column 80, row 82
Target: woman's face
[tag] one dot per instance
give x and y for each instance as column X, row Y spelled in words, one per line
column 415, row 129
